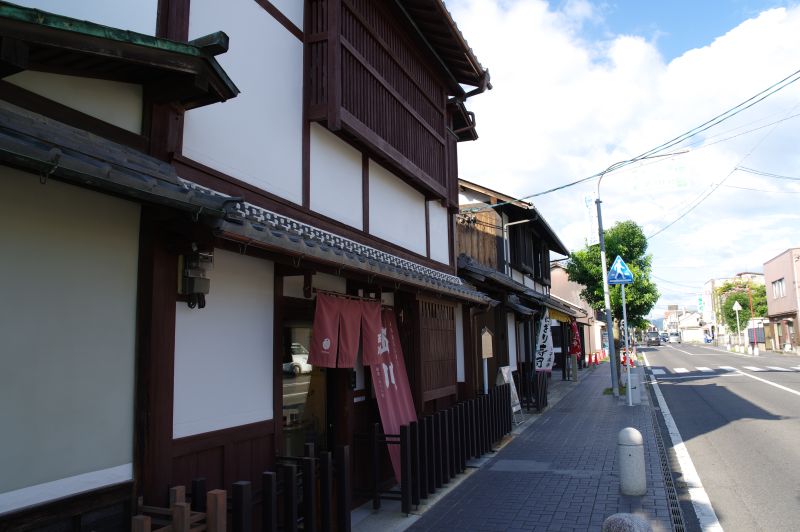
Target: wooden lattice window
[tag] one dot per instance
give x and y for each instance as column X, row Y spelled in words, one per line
column 437, row 348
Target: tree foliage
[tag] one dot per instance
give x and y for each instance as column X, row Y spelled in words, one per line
column 627, row 240
column 731, row 292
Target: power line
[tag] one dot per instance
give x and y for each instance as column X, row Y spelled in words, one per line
column 762, row 190
column 672, row 282
column 733, row 111
column 765, row 174
column 716, row 187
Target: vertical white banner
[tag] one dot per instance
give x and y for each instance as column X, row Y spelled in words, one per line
column 544, row 358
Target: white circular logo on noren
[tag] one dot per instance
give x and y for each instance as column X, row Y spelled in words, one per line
column 326, row 344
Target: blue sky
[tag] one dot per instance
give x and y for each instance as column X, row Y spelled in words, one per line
column 579, row 85
column 674, row 26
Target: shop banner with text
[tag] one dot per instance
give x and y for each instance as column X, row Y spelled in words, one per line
column 544, row 358
column 390, row 382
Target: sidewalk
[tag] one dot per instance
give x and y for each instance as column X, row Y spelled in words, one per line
column 557, row 473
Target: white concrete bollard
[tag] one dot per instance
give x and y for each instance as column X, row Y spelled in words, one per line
column 636, row 388
column 630, row 455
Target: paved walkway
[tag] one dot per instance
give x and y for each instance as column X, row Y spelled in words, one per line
column 559, row 473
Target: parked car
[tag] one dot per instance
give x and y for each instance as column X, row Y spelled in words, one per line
column 664, row 338
column 653, row 338
column 299, row 361
column 674, row 337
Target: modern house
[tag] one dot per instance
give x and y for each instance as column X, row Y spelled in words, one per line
column 783, row 299
column 568, row 292
column 181, row 180
column 504, row 249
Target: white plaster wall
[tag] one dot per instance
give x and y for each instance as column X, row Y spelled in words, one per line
column 459, row 344
column 257, row 136
column 517, row 276
column 223, row 353
column 336, row 178
column 68, row 336
column 512, row 340
column 134, row 15
column 117, row 103
column 292, row 9
column 293, row 286
column 438, row 221
column 396, row 211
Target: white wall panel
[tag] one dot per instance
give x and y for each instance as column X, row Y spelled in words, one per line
column 396, row 211
column 257, row 136
column 459, row 344
column 293, row 285
column 68, row 336
column 117, row 103
column 438, row 220
column 293, row 9
column 512, row 340
column 223, row 353
column 336, row 178
column 134, row 15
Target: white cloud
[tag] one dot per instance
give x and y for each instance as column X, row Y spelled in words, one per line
column 564, row 107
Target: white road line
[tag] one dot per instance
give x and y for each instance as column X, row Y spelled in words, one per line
column 754, row 368
column 728, row 368
column 658, row 371
column 765, row 381
column 778, row 368
column 700, row 501
column 686, row 377
column 703, row 368
column 680, row 370
column 796, row 367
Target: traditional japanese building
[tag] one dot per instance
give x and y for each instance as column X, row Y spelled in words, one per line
column 181, row 180
column 504, row 249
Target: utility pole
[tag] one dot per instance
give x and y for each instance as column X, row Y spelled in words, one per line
column 612, row 355
column 752, row 322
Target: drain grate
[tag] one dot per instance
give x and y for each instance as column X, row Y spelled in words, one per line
column 678, row 524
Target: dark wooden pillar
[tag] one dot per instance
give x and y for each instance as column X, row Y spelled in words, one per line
column 157, row 297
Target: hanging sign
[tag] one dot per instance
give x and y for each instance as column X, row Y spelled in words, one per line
column 486, row 343
column 544, row 357
column 390, row 382
column 504, row 376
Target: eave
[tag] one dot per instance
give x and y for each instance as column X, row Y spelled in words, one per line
column 186, row 74
column 439, row 32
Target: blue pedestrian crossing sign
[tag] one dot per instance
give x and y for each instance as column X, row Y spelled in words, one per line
column 619, row 272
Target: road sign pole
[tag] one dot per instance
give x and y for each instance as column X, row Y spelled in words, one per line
column 629, row 392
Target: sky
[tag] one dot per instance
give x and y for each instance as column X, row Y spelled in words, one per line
column 581, row 85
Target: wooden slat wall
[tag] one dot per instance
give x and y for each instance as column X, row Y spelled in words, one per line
column 437, row 348
column 385, row 84
column 479, row 239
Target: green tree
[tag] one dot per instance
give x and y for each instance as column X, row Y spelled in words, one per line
column 741, row 291
column 627, row 240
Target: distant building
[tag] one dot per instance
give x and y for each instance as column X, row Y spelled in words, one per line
column 710, row 305
column 783, row 299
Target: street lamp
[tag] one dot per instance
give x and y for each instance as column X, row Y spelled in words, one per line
column 737, row 307
column 612, row 354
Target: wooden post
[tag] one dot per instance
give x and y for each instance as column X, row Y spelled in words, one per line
column 343, row 487
column 309, row 450
column 326, row 490
column 176, row 494
column 413, row 434
column 216, row 511
column 374, row 434
column 199, row 495
column 242, row 514
column 405, row 470
column 430, row 451
column 447, row 474
column 269, row 502
column 423, row 459
column 288, row 475
column 180, row 517
column 437, row 450
column 140, row 523
column 308, row 466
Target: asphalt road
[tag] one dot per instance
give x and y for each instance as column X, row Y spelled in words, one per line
column 739, row 417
